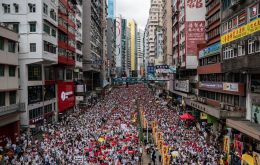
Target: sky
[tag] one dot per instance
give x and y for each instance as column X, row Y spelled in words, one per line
column 136, row 9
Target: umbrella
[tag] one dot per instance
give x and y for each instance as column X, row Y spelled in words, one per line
column 187, row 116
column 175, row 153
column 101, row 140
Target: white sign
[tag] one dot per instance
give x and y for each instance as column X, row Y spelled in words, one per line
column 65, row 95
column 182, row 85
column 195, row 10
column 233, row 87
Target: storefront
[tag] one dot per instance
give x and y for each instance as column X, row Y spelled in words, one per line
column 10, row 130
column 66, row 97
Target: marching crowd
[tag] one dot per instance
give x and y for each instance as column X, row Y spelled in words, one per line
column 107, row 134
column 104, row 134
column 191, row 145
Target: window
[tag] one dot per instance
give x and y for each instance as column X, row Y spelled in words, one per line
column 46, row 28
column 12, row 97
column 2, row 70
column 32, row 26
column 252, row 12
column 34, row 94
column 6, row 8
column 32, row 8
column 45, row 9
column 53, row 14
column 241, row 50
column 257, row 46
column 2, row 99
column 16, row 27
column 68, row 74
column 12, row 70
column 251, row 46
column 11, row 46
column 49, row 47
column 2, row 43
column 49, row 92
column 53, row 32
column 34, row 72
column 32, row 47
column 48, row 108
column 16, row 8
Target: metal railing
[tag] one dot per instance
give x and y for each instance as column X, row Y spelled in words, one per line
column 20, row 107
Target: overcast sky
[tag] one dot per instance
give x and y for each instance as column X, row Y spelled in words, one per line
column 136, row 9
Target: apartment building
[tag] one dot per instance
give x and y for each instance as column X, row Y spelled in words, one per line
column 37, row 25
column 10, row 105
column 188, row 32
column 154, row 20
column 240, row 50
column 93, row 43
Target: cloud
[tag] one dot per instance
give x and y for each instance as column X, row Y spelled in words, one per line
column 134, row 9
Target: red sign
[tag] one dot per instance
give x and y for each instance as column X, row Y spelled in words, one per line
column 195, row 34
column 66, row 97
column 194, row 3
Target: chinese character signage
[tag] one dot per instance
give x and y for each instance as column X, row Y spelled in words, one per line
column 195, row 34
column 183, row 85
column 240, row 32
column 150, row 69
column 195, row 10
column 213, row 49
column 256, row 114
column 211, row 85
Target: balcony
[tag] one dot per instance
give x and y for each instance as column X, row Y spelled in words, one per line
column 63, row 28
column 249, row 63
column 66, row 60
column 216, row 112
column 15, row 108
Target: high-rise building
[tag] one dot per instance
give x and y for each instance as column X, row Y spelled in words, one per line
column 111, row 8
column 133, row 47
column 121, row 46
column 93, row 39
column 10, row 104
column 140, row 51
column 37, row 25
column 159, row 46
column 111, row 46
column 154, row 20
column 188, row 36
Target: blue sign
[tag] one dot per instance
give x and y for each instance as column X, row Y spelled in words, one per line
column 213, row 49
column 151, row 69
column 111, row 8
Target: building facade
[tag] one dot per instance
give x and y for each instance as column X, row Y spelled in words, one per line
column 10, row 105
column 37, row 25
column 240, row 40
column 133, row 48
column 140, row 53
column 93, row 43
column 154, row 20
column 111, row 8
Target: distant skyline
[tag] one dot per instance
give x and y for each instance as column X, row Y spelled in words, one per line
column 134, row 9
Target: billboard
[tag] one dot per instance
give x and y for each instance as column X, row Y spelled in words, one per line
column 66, row 97
column 111, row 8
column 195, row 34
column 182, row 85
column 195, row 10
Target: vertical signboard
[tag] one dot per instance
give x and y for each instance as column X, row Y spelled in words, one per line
column 195, row 25
column 66, row 97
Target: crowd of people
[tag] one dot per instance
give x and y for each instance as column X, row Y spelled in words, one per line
column 190, row 144
column 107, row 133
column 104, row 134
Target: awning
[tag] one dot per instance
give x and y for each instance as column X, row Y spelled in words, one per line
column 246, row 127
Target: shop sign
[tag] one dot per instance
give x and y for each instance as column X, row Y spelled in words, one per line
column 203, row 116
column 211, row 85
column 232, row 87
column 80, row 88
column 150, row 69
column 226, row 148
column 241, row 32
column 255, row 114
column 182, row 85
column 66, row 97
column 213, row 49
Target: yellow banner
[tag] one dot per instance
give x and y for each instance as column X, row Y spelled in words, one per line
column 165, row 150
column 226, row 144
column 166, row 159
column 240, row 32
column 247, row 159
column 256, row 157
